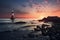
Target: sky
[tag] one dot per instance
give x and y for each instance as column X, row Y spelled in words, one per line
column 29, row 9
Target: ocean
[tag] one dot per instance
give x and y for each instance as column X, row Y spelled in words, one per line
column 6, row 24
column 11, row 31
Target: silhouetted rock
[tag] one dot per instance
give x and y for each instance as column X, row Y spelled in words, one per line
column 21, row 22
column 53, row 19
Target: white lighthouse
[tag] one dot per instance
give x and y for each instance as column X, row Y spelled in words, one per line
column 12, row 16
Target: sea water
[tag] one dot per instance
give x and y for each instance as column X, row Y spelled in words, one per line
column 10, row 31
column 6, row 25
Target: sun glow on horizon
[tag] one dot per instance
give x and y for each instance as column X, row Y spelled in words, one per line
column 39, row 11
column 36, row 10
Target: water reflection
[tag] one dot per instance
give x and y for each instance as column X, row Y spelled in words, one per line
column 27, row 26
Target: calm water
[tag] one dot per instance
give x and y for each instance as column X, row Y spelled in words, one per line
column 28, row 26
column 21, row 31
column 6, row 27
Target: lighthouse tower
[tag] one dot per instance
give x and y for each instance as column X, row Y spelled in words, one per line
column 12, row 16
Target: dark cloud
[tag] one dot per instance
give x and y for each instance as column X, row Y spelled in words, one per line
column 4, row 7
column 7, row 5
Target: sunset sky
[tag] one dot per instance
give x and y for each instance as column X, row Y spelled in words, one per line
column 29, row 9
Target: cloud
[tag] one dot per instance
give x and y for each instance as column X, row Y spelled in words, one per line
column 31, row 7
column 36, row 7
column 5, row 7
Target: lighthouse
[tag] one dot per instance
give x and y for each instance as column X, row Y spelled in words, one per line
column 12, row 16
